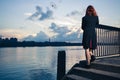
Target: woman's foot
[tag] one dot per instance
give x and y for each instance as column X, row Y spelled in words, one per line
column 92, row 58
column 87, row 66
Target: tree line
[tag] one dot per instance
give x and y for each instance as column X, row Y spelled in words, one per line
column 13, row 42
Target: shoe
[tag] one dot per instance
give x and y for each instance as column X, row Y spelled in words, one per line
column 87, row 66
column 92, row 58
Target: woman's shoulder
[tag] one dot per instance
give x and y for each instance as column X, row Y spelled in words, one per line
column 84, row 17
column 96, row 16
column 90, row 17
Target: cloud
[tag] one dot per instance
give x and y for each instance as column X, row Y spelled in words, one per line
column 46, row 15
column 28, row 14
column 73, row 13
column 1, row 36
column 59, row 29
column 65, row 34
column 74, row 36
column 41, row 36
column 61, row 33
column 40, row 15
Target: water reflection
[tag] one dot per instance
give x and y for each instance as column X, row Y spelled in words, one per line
column 41, row 74
column 73, row 56
column 35, row 63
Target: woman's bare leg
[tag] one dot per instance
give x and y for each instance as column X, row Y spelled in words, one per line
column 88, row 56
column 90, row 51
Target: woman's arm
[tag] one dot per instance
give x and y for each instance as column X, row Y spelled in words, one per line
column 97, row 21
column 83, row 23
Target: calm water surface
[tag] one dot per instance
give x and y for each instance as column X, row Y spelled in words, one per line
column 35, row 63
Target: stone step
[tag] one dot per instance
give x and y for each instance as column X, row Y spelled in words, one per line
column 95, row 74
column 75, row 77
column 106, row 67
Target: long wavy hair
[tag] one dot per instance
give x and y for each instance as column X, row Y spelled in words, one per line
column 90, row 11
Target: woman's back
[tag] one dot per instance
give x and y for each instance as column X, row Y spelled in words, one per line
column 90, row 22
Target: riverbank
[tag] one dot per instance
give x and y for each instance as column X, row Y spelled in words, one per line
column 37, row 44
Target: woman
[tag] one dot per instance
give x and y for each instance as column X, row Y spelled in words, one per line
column 89, row 42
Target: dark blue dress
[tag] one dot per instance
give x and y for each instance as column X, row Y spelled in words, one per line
column 89, row 35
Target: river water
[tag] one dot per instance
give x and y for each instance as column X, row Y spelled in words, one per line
column 35, row 63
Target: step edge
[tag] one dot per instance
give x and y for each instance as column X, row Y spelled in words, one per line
column 111, row 74
column 107, row 64
column 76, row 77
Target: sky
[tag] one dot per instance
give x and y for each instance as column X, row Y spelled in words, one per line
column 57, row 20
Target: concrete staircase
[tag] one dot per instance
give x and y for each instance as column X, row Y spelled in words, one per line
column 98, row 71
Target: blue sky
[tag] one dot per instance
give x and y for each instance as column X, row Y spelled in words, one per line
column 60, row 20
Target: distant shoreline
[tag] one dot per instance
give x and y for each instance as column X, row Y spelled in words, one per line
column 37, row 44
